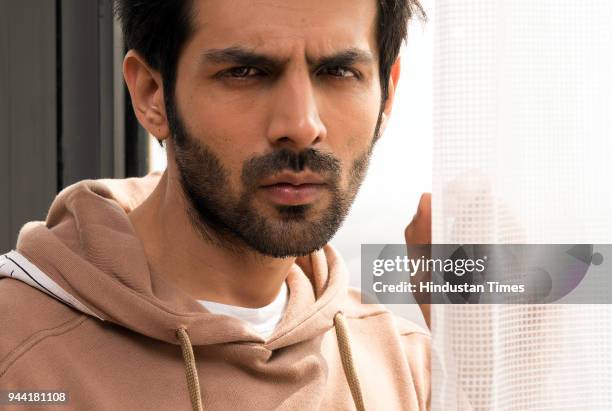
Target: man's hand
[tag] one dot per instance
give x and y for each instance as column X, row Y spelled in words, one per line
column 419, row 232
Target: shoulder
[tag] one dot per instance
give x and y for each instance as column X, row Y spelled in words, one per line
column 397, row 336
column 416, row 344
column 412, row 335
column 28, row 317
column 358, row 306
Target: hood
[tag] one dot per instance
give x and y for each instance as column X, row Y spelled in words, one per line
column 88, row 256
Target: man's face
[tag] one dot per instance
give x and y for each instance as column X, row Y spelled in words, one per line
column 276, row 108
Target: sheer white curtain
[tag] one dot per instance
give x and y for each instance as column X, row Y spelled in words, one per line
column 522, row 154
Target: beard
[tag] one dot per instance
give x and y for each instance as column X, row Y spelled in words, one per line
column 232, row 220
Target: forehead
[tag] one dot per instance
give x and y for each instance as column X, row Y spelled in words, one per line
column 285, row 26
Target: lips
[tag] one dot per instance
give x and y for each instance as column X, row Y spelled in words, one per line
column 293, row 189
column 294, row 179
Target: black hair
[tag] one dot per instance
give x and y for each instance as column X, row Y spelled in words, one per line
column 159, row 29
column 393, row 18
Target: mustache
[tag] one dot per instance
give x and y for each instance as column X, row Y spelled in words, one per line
column 257, row 168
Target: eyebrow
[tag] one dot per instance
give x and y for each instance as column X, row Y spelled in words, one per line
column 246, row 57
column 346, row 57
column 240, row 56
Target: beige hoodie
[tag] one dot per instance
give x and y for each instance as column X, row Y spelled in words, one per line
column 81, row 312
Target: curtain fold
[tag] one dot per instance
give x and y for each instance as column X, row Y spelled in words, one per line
column 522, row 154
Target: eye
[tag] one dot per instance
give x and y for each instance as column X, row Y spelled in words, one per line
column 339, row 71
column 241, row 72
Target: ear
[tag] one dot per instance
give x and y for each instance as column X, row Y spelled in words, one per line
column 147, row 94
column 392, row 87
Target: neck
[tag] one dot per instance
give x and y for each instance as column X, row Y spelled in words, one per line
column 204, row 269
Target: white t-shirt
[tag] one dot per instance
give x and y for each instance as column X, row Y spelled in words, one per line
column 263, row 320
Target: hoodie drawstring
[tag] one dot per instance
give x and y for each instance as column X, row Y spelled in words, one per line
column 346, row 356
column 344, row 347
column 193, row 383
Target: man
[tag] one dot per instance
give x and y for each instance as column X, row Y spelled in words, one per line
column 212, row 286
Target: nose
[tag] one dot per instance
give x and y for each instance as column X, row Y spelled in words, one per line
column 294, row 120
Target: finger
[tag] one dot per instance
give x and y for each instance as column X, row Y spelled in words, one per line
column 419, row 229
column 424, row 208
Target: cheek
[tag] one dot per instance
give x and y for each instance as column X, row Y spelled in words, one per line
column 351, row 133
column 207, row 118
column 228, row 121
column 229, row 135
column 351, row 115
